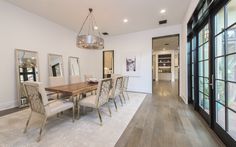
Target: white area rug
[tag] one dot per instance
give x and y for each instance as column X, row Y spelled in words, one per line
column 85, row 132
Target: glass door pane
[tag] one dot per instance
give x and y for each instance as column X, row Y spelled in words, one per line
column 193, row 54
column 225, row 68
column 203, row 68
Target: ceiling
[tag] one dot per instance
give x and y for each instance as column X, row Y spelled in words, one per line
column 109, row 14
column 166, row 43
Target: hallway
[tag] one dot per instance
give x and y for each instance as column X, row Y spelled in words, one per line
column 163, row 120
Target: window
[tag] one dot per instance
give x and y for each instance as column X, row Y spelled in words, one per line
column 225, row 68
column 193, row 52
column 203, row 68
column 202, row 10
column 213, row 62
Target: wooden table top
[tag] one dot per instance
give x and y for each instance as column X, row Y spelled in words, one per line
column 73, row 89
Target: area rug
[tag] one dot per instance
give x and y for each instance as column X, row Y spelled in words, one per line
column 61, row 131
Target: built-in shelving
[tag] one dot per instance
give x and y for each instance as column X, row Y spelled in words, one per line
column 164, row 63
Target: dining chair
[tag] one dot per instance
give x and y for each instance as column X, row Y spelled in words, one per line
column 87, row 77
column 39, row 104
column 56, row 81
column 116, row 90
column 113, row 76
column 98, row 100
column 125, row 86
column 75, row 79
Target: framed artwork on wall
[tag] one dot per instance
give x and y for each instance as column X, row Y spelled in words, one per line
column 131, row 65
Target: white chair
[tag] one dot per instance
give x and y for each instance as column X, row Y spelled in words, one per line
column 56, row 81
column 116, row 90
column 98, row 100
column 39, row 104
column 53, row 82
column 87, row 77
column 125, row 86
column 75, row 79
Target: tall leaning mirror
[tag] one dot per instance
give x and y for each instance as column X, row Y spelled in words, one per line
column 108, row 63
column 56, row 70
column 27, row 69
column 74, row 70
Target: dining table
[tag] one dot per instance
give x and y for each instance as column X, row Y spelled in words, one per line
column 74, row 91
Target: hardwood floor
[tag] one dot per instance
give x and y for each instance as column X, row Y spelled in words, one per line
column 163, row 120
column 9, row 111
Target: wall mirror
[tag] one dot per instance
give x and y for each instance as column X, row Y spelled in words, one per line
column 27, row 69
column 55, row 63
column 108, row 63
column 74, row 70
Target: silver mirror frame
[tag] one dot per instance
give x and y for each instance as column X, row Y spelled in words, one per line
column 49, row 67
column 70, row 70
column 17, row 73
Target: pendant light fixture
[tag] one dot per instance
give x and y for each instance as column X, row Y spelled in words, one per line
column 92, row 39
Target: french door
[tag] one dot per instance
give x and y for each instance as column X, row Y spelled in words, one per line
column 212, row 66
column 225, row 70
column 203, row 72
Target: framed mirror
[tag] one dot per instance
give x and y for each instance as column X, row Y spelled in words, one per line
column 74, row 70
column 108, row 63
column 55, row 63
column 27, row 69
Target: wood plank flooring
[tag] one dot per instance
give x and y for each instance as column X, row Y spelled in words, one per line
column 163, row 120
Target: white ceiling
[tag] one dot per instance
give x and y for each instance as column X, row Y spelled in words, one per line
column 166, row 43
column 109, row 14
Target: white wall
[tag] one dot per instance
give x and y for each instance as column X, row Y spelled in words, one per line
column 138, row 44
column 23, row 30
column 183, row 52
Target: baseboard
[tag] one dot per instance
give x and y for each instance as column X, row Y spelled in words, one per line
column 184, row 100
column 8, row 105
column 139, row 92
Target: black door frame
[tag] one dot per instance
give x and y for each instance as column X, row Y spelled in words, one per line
column 208, row 17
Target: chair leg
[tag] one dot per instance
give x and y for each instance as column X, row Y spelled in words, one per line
column 27, row 123
column 123, row 97
column 115, row 104
column 121, row 101
column 109, row 109
column 78, row 111
column 100, row 117
column 41, row 129
column 73, row 109
column 127, row 95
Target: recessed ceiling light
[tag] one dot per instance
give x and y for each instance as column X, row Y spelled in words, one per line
column 95, row 28
column 125, row 20
column 163, row 11
column 105, row 33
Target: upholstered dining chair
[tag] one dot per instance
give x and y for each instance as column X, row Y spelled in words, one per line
column 125, row 86
column 116, row 90
column 75, row 79
column 98, row 100
column 87, row 77
column 56, row 81
column 39, row 104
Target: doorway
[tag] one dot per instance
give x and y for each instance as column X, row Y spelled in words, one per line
column 165, row 59
column 108, row 63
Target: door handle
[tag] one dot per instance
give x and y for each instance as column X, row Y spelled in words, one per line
column 212, row 82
